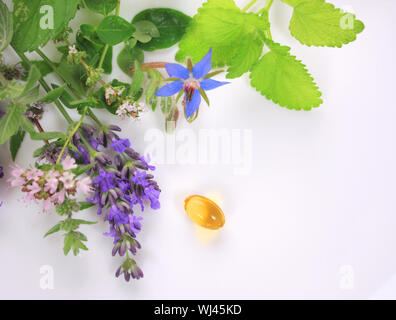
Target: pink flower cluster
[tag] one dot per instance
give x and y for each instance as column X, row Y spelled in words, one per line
column 52, row 186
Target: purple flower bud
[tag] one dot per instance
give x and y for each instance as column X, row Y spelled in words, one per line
column 113, row 127
column 118, row 272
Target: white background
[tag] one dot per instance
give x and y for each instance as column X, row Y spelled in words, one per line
column 320, row 195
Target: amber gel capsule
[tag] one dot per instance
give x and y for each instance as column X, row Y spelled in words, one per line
column 204, row 212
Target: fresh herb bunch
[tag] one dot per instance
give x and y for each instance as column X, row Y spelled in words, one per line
column 90, row 159
column 242, row 41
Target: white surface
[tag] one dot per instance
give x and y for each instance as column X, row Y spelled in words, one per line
column 320, row 196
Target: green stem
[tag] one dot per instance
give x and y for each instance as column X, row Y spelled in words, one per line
column 61, row 109
column 48, row 61
column 106, row 48
column 71, row 135
column 118, row 8
column 247, row 7
column 266, row 8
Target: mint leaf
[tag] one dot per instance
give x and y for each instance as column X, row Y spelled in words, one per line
column 171, row 25
column 114, row 29
column 9, row 124
column 283, row 79
column 54, row 229
column 6, row 27
column 34, row 76
column 33, row 29
column 85, row 205
column 53, row 95
column 318, row 23
column 47, row 135
column 222, row 26
column 16, row 142
column 101, row 6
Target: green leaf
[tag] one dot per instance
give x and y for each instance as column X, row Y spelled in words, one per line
column 145, row 31
column 155, row 81
column 114, row 29
column 47, row 135
column 33, row 21
column 66, row 98
column 74, row 75
column 318, row 23
column 137, row 79
column 6, row 27
column 127, row 58
column 54, row 229
column 82, row 169
column 53, row 95
column 42, row 66
column 283, row 79
column 9, row 124
column 27, row 125
column 73, row 224
column 16, row 142
column 30, row 96
column 171, row 24
column 87, row 40
column 34, row 76
column 103, row 7
column 73, row 240
column 85, row 205
column 231, row 33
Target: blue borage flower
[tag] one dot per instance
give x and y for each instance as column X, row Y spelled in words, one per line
column 193, row 81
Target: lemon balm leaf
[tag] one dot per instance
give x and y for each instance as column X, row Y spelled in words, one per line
column 282, row 78
column 231, row 33
column 318, row 23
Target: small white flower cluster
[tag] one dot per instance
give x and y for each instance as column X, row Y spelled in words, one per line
column 73, row 49
column 130, row 109
column 112, row 94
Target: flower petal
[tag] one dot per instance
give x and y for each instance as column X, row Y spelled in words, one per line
column 210, row 84
column 193, row 105
column 177, row 71
column 202, row 68
column 170, row 89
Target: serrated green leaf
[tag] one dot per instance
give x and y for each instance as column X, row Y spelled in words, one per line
column 222, row 26
column 6, row 27
column 54, row 229
column 170, row 23
column 249, row 52
column 33, row 18
column 318, row 23
column 114, row 30
column 9, row 124
column 103, row 7
column 53, row 95
column 283, row 79
column 16, row 142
